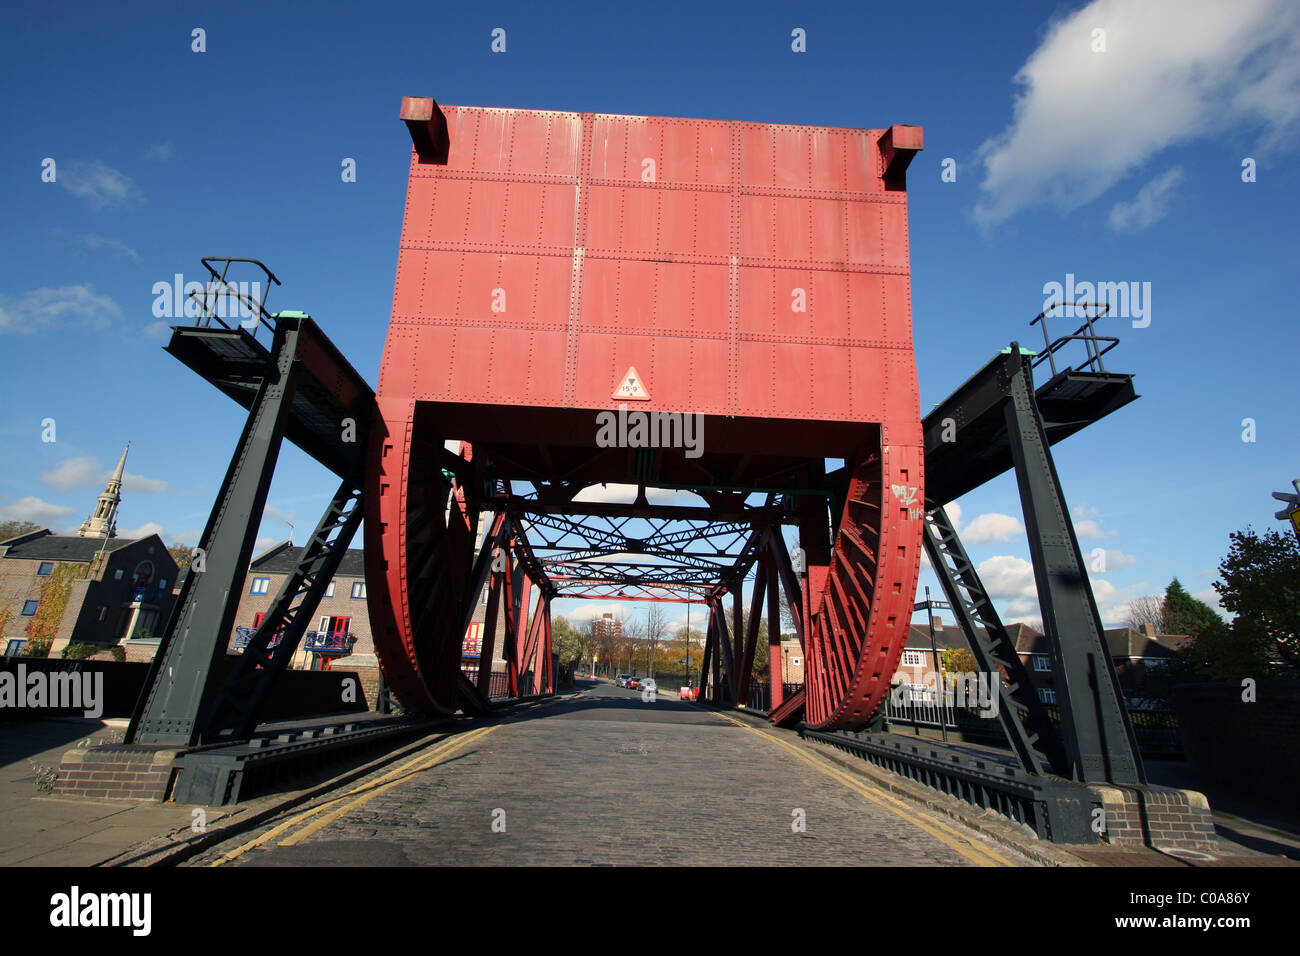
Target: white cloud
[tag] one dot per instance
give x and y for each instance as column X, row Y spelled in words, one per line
column 992, row 527
column 159, row 152
column 34, row 509
column 139, row 484
column 73, row 473
column 1091, row 529
column 1006, row 576
column 1149, row 206
column 100, row 185
column 1115, row 560
column 1022, row 607
column 276, row 514
column 146, row 529
column 1085, row 511
column 65, row 306
column 116, row 246
column 1211, row 597
column 1172, row 71
column 87, row 472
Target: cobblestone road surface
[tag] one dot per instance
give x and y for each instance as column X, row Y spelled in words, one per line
column 606, row 778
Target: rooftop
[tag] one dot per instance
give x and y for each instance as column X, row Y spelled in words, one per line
column 283, row 558
column 46, row 546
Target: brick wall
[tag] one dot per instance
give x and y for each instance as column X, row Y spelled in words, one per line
column 115, row 772
column 1162, row 817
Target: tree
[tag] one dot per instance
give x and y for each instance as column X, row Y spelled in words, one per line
column 958, row 660
column 12, row 529
column 568, row 642
column 1261, row 586
column 1184, row 614
column 1148, row 609
column 182, row 554
column 655, row 630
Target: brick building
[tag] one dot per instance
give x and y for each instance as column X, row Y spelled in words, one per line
column 1142, row 659
column 120, row 589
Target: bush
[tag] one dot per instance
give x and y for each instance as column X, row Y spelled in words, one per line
column 38, row 647
column 79, row 652
column 118, row 652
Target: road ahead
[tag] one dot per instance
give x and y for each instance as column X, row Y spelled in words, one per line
column 603, row 777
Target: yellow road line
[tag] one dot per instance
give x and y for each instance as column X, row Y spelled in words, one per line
column 317, row 825
column 953, row 839
column 404, row 770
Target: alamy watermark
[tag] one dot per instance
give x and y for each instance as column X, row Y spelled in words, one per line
column 974, row 690
column 172, row 300
column 1126, row 300
column 639, row 429
column 64, row 690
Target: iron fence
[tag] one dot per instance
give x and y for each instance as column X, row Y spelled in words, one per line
column 1156, row 730
column 760, row 695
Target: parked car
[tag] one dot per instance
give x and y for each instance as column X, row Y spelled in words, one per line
column 623, row 680
column 633, row 683
column 647, row 683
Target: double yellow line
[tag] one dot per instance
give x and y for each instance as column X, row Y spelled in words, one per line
column 977, row 853
column 317, row 818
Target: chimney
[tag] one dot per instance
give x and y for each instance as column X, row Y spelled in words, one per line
column 1148, row 630
column 938, row 623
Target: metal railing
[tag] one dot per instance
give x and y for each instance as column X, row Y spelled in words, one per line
column 1156, row 730
column 760, row 695
column 215, row 301
column 1084, row 333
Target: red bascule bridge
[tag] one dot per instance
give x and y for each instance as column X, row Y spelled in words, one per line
column 749, row 281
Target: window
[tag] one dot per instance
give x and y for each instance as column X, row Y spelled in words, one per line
column 260, row 585
column 14, row 648
column 162, row 584
column 796, row 662
column 358, row 589
column 1047, row 695
column 484, row 599
column 101, row 612
column 29, row 608
column 117, row 575
column 912, row 659
column 329, row 589
column 45, row 568
column 1042, row 662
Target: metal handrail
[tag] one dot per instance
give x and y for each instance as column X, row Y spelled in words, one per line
column 217, row 287
column 1091, row 340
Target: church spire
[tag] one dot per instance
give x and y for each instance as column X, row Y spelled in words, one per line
column 103, row 523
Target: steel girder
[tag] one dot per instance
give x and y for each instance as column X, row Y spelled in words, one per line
column 301, row 388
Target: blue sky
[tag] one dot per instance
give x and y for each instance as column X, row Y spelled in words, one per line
column 1122, row 164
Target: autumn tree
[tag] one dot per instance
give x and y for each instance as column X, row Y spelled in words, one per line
column 182, row 554
column 12, row 529
column 958, row 660
column 568, row 642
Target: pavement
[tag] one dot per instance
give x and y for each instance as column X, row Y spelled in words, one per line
column 593, row 777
